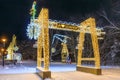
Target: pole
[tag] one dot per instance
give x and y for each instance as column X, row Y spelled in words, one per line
column 3, row 59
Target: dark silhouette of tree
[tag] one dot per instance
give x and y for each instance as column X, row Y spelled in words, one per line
column 27, row 50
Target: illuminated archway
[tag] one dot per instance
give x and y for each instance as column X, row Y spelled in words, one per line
column 87, row 26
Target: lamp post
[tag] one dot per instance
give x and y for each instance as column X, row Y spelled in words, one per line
column 3, row 40
column 2, row 56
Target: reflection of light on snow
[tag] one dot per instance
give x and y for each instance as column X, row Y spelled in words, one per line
column 62, row 67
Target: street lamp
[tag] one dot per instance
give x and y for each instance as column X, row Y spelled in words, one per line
column 3, row 40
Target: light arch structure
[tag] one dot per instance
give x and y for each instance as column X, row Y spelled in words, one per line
column 87, row 26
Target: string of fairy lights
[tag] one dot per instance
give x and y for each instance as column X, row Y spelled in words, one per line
column 33, row 29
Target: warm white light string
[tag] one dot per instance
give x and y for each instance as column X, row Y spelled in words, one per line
column 33, row 29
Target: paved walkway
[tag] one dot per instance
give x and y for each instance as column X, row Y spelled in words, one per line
column 113, row 74
column 19, row 77
column 108, row 74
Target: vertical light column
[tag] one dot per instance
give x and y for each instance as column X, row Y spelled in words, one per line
column 43, row 21
column 45, row 38
column 40, row 41
column 10, row 51
column 80, row 47
column 95, row 42
column 39, row 50
column 43, row 44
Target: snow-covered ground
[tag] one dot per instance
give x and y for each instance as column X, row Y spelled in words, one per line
column 30, row 67
column 24, row 67
column 60, row 71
